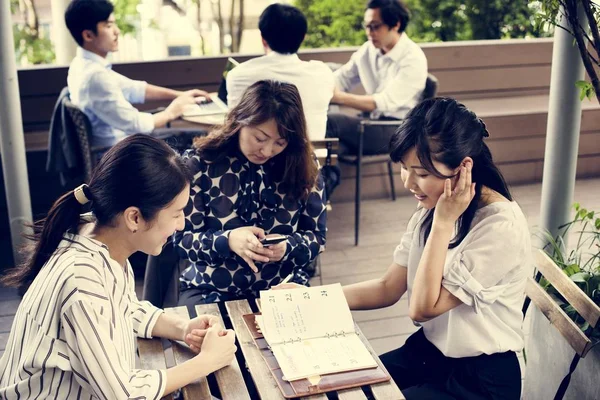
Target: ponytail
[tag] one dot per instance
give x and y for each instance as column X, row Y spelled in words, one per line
column 47, row 234
column 139, row 171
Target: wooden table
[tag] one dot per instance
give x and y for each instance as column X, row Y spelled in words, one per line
column 248, row 377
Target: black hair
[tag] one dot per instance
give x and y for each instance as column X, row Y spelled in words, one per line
column 392, row 12
column 84, row 15
column 140, row 171
column 444, row 130
column 283, row 27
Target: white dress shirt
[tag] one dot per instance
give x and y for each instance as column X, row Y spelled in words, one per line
column 313, row 79
column 74, row 334
column 106, row 97
column 487, row 272
column 395, row 80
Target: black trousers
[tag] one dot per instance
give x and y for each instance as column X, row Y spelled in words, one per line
column 421, row 371
column 346, row 129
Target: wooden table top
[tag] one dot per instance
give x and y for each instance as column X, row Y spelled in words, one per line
column 252, row 379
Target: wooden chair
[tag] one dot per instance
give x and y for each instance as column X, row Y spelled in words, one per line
column 358, row 159
column 557, row 317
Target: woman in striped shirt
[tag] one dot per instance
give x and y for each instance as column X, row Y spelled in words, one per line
column 74, row 333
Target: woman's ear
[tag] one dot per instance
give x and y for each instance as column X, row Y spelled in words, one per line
column 133, row 219
column 465, row 162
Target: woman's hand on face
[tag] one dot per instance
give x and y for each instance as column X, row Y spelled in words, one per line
column 453, row 202
column 278, row 251
column 245, row 243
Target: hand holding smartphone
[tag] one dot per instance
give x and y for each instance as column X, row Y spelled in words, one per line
column 272, row 239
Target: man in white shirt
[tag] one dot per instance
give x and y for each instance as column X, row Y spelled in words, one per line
column 391, row 68
column 283, row 28
column 105, row 96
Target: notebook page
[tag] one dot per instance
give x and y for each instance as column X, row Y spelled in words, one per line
column 291, row 315
column 322, row 356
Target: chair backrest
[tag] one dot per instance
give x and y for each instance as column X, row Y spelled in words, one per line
column 83, row 128
column 326, row 150
column 574, row 296
column 431, row 87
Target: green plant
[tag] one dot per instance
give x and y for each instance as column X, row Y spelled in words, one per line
column 581, row 264
column 334, row 23
column 567, row 15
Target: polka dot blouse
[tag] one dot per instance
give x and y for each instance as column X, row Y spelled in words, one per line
column 231, row 193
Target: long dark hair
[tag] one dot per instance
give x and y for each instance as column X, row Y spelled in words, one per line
column 262, row 101
column 140, row 171
column 446, row 131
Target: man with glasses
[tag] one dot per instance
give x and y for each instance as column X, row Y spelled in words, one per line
column 391, row 68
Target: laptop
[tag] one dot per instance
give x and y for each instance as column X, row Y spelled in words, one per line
column 218, row 104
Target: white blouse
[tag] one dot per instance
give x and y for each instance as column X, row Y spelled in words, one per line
column 487, row 272
column 74, row 334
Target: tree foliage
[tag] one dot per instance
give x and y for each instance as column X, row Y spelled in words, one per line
column 29, row 42
column 580, row 18
column 126, row 14
column 335, row 23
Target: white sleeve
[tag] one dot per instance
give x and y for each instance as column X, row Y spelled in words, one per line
column 108, row 102
column 402, row 251
column 235, row 89
column 405, row 86
column 93, row 354
column 143, row 313
column 487, row 265
column 134, row 91
column 346, row 77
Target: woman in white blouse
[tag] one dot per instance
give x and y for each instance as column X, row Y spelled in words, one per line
column 74, row 333
column 463, row 262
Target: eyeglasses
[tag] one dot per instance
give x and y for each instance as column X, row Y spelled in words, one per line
column 373, row 26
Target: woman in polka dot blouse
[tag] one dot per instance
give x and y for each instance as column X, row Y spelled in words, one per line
column 254, row 177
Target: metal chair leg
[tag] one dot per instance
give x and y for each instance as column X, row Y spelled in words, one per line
column 357, row 204
column 391, row 173
column 358, row 181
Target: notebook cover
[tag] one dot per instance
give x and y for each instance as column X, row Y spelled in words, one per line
column 303, row 387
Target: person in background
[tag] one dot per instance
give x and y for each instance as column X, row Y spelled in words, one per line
column 463, row 262
column 74, row 334
column 105, row 96
column 391, row 68
column 254, row 177
column 283, row 28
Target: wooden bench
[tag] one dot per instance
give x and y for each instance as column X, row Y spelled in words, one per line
column 574, row 296
column 252, row 377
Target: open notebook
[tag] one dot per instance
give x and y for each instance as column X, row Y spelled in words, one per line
column 311, row 332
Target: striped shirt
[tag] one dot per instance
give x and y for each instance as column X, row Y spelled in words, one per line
column 73, row 336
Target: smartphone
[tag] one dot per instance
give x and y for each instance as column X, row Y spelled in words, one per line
column 273, row 239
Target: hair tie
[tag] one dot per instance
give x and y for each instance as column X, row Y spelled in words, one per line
column 485, row 132
column 79, row 193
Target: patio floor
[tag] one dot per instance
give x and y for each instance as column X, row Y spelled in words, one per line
column 382, row 225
